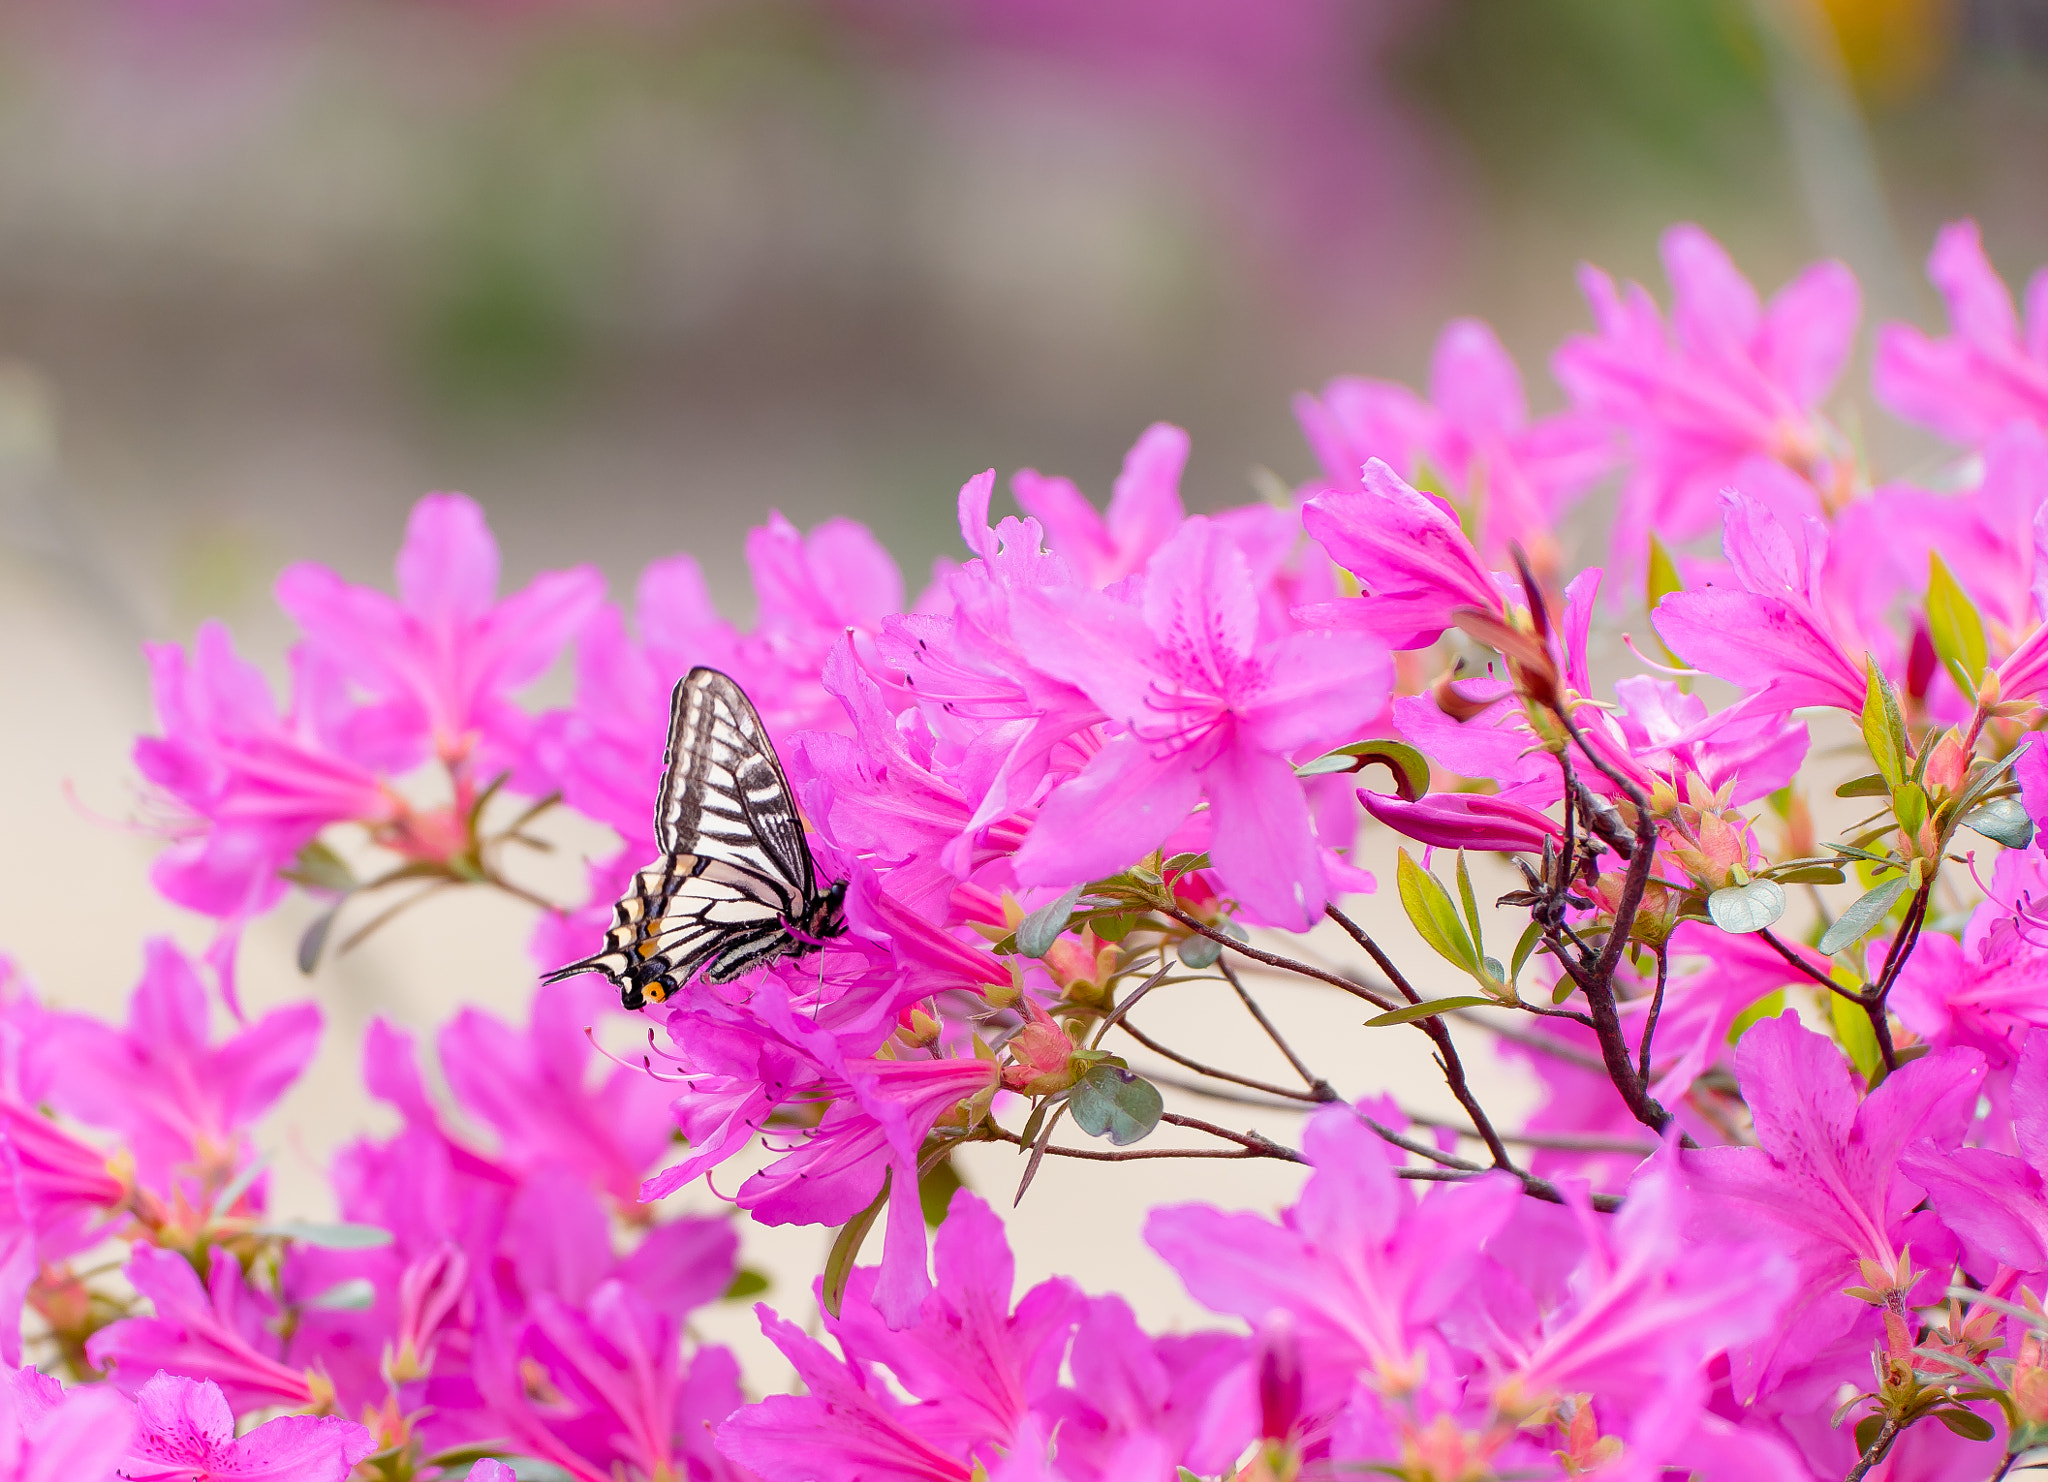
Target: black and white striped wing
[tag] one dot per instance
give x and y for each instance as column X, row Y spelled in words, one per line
column 723, row 793
column 736, row 869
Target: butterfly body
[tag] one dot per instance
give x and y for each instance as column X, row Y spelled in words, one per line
column 736, row 886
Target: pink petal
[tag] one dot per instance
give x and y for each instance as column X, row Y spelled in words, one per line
column 448, row 566
column 1475, row 383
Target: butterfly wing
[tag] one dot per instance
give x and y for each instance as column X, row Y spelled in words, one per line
column 723, row 792
column 736, row 867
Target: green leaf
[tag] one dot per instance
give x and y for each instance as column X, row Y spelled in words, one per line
column 317, row 867
column 846, row 1249
column 1768, row 1007
column 1532, row 934
column 354, row 1295
column 936, row 1187
column 313, row 941
column 1182, row 864
column 1863, row 914
column 1871, row 785
column 1812, row 874
column 337, row 1236
column 1429, row 1009
column 1909, row 806
column 1884, row 725
column 1966, row 1423
column 1198, row 951
column 2003, row 821
column 1866, row 1432
column 1471, row 905
column 1429, row 908
column 1955, row 627
column 1746, row 908
column 746, row 1282
column 1852, row 1029
column 1410, row 769
column 1115, row 1103
column 1033, row 1122
column 1184, row 1475
column 1037, row 932
column 1662, row 578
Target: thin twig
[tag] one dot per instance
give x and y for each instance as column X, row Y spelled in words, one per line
column 1541, row 1044
column 1656, row 1008
column 1794, row 960
column 1885, row 1436
column 1605, row 1203
column 1132, row 1155
column 1285, row 1093
column 1236, row 1098
column 1439, row 1033
column 1314, row 1082
column 1285, row 964
column 1255, row 1140
column 1557, row 1142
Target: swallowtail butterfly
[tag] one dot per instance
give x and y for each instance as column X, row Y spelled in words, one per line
column 735, row 886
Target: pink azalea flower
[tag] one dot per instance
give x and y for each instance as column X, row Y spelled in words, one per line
column 975, row 1367
column 836, row 1171
column 1826, row 1181
column 1411, row 557
column 601, row 1389
column 51, row 1434
column 1730, row 380
column 845, row 1427
column 535, row 1089
column 1359, row 1265
column 241, row 787
column 1207, row 712
column 1515, row 476
column 181, row 1102
column 812, row 589
column 219, row 1332
column 1144, row 509
column 1997, row 1204
column 1989, row 371
column 1989, row 990
column 1779, row 635
column 607, row 749
column 1644, row 1311
column 445, row 656
column 1465, row 820
column 187, row 1434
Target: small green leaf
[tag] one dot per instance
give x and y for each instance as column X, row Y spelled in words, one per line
column 846, row 1249
column 1532, row 935
column 1871, row 785
column 313, row 941
column 1662, row 578
column 1410, row 769
column 317, row 867
column 354, row 1295
column 1863, row 914
column 1033, row 1122
column 1884, row 725
column 1909, row 806
column 1746, row 908
column 1866, row 1432
column 1966, row 1423
column 1198, row 951
column 1812, row 874
column 936, row 1187
column 1037, row 932
column 746, row 1282
column 1852, row 1029
column 1429, row 908
column 1115, row 1103
column 2003, row 821
column 1429, row 1009
column 1184, row 1475
column 1182, row 864
column 1955, row 627
column 1471, row 905
column 1768, row 1007
column 337, row 1236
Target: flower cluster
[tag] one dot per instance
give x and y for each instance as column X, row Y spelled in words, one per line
column 1781, row 1212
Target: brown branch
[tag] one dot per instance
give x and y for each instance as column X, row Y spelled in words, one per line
column 1132, row 1155
column 1284, row 964
column 1314, row 1082
column 1186, row 1062
column 1439, row 1033
column 1656, row 1008
column 1254, row 1140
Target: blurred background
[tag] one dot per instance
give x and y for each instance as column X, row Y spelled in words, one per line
column 633, row 271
